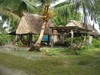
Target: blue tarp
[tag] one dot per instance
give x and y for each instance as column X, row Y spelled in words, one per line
column 45, row 38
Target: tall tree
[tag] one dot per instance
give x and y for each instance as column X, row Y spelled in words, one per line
column 13, row 10
column 89, row 7
column 64, row 12
column 45, row 18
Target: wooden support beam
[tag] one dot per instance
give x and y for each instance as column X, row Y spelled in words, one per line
column 72, row 36
column 52, row 41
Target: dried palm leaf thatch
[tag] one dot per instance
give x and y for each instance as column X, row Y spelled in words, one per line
column 31, row 24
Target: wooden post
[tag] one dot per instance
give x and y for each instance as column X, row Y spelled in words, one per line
column 52, row 42
column 90, row 40
column 62, row 38
column 30, row 39
column 72, row 35
column 48, row 40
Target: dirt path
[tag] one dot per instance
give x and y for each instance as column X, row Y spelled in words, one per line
column 7, row 71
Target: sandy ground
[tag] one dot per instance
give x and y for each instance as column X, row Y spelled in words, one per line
column 7, row 71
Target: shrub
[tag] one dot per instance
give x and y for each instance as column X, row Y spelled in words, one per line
column 77, row 42
column 4, row 39
column 96, row 43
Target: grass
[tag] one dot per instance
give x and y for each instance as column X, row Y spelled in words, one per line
column 53, row 61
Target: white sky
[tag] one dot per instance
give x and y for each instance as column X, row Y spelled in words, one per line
column 0, row 18
column 59, row 1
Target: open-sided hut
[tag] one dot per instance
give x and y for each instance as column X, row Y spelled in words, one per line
column 75, row 28
column 31, row 24
column 80, row 28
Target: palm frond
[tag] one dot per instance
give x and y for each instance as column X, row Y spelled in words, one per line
column 9, row 14
column 17, row 5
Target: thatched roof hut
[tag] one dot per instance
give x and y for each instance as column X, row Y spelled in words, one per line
column 80, row 25
column 31, row 24
column 91, row 30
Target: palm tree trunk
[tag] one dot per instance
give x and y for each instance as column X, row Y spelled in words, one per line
column 29, row 39
column 41, row 33
column 45, row 18
column 85, row 22
column 72, row 36
column 36, row 46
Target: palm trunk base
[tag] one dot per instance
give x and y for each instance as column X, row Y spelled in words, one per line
column 35, row 47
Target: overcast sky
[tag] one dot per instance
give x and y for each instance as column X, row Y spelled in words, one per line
column 60, row 1
column 57, row 2
column 0, row 18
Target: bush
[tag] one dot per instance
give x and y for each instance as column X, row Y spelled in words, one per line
column 96, row 43
column 19, row 43
column 4, row 39
column 77, row 42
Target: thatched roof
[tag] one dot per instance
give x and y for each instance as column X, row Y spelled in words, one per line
column 90, row 28
column 31, row 24
column 80, row 25
column 94, row 33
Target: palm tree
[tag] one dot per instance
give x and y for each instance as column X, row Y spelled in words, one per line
column 13, row 8
column 89, row 7
column 45, row 17
column 16, row 7
column 64, row 13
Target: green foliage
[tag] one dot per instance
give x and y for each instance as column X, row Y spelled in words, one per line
column 17, row 5
column 11, row 10
column 19, row 43
column 71, row 52
column 96, row 43
column 76, row 40
column 4, row 39
column 13, row 23
column 59, row 51
column 1, row 26
column 35, row 37
column 64, row 14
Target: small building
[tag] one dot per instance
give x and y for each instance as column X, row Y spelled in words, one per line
column 74, row 29
column 31, row 24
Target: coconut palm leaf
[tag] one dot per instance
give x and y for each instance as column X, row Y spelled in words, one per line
column 17, row 6
column 65, row 12
column 90, row 7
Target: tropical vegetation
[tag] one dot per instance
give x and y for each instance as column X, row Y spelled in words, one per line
column 50, row 61
column 12, row 10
